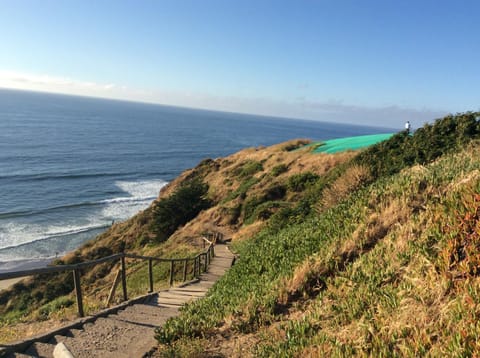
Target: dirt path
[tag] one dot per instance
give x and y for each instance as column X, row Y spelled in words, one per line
column 130, row 332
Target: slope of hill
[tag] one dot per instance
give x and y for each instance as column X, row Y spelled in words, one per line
column 387, row 263
column 217, row 195
column 365, row 252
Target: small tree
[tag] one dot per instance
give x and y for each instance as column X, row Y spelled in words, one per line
column 179, row 208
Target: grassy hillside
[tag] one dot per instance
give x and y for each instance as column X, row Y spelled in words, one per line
column 369, row 252
column 379, row 256
column 225, row 192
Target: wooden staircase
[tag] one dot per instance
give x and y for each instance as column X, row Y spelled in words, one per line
column 128, row 332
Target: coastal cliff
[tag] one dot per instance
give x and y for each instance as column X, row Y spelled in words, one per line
column 358, row 252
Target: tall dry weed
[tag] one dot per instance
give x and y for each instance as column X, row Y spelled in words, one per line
column 460, row 257
column 343, row 186
column 306, row 281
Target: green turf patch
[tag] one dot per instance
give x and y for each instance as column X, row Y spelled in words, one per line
column 349, row 143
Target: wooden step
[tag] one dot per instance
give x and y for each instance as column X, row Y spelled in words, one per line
column 40, row 350
column 112, row 338
column 146, row 315
column 130, row 331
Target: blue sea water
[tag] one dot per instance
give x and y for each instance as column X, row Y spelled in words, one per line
column 69, row 166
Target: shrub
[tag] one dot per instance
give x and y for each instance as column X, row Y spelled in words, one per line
column 265, row 210
column 279, row 169
column 295, row 145
column 241, row 190
column 424, row 146
column 299, row 182
column 289, row 215
column 250, row 206
column 235, row 213
column 275, row 192
column 179, row 208
column 248, row 168
column 53, row 306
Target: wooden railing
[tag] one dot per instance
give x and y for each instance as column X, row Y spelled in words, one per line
column 200, row 264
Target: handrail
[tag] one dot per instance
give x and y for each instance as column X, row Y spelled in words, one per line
column 75, row 268
column 57, row 268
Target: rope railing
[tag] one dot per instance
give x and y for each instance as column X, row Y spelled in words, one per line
column 200, row 264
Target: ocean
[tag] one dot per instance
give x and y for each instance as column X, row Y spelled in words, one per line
column 70, row 166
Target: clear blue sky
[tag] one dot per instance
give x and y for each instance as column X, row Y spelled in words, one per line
column 365, row 62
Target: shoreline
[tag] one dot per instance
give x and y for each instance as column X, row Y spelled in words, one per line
column 24, row 264
column 6, row 284
column 19, row 265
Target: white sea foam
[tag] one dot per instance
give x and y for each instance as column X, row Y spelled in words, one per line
column 52, row 237
column 142, row 189
column 16, row 234
column 141, row 194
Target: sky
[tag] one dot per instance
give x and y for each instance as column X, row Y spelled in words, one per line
column 364, row 62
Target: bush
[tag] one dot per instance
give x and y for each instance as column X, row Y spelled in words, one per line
column 235, row 213
column 53, row 306
column 295, row 145
column 241, row 190
column 290, row 215
column 266, row 210
column 275, row 192
column 424, row 146
column 279, row 169
column 299, row 182
column 248, row 168
column 179, row 208
column 249, row 207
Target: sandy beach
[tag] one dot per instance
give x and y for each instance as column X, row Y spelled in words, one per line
column 4, row 284
column 19, row 265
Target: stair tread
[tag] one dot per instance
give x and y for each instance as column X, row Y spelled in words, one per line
column 130, row 331
column 111, row 338
column 39, row 349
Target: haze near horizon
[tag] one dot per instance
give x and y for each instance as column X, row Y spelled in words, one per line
column 368, row 63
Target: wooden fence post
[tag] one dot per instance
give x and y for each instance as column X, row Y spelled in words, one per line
column 124, row 279
column 205, row 267
column 150, row 275
column 171, row 271
column 78, row 292
column 114, row 287
column 185, row 270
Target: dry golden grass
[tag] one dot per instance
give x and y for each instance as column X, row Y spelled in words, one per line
column 249, row 231
column 218, row 174
column 222, row 183
column 352, row 179
column 305, row 281
column 391, row 296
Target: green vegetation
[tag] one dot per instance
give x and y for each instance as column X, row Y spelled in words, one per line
column 27, row 296
column 295, row 145
column 279, row 169
column 179, row 208
column 241, row 192
column 299, row 182
column 446, row 135
column 39, row 297
column 386, row 264
column 53, row 306
column 374, row 253
column 248, row 169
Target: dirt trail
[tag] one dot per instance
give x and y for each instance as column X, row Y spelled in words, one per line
column 130, row 331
